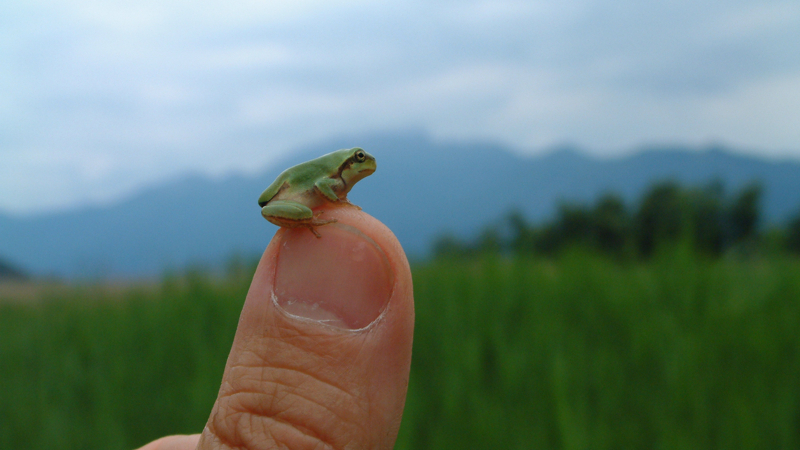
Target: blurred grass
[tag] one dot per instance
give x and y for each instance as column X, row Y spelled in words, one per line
column 96, row 367
column 579, row 352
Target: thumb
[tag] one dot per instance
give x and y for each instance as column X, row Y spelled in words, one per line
column 323, row 348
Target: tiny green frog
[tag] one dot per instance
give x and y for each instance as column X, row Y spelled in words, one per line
column 290, row 199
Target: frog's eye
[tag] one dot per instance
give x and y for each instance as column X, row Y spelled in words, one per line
column 360, row 156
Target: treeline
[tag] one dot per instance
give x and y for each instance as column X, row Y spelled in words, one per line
column 706, row 219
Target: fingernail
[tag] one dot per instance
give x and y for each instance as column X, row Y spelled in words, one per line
column 342, row 279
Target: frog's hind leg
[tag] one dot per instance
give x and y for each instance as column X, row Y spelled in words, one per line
column 286, row 213
column 316, row 233
column 316, row 222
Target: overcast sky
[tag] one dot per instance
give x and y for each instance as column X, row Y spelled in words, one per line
column 99, row 98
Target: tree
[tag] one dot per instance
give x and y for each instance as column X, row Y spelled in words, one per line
column 573, row 225
column 449, row 246
column 522, row 236
column 708, row 217
column 662, row 216
column 744, row 214
column 793, row 235
column 610, row 224
column 490, row 240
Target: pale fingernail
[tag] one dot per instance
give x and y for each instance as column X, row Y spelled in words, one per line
column 342, row 279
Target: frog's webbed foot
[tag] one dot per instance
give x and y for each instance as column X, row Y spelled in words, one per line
column 347, row 202
column 316, row 222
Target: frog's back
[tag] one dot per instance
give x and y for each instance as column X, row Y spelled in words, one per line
column 295, row 176
column 272, row 189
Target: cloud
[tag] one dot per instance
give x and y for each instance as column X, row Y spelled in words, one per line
column 98, row 98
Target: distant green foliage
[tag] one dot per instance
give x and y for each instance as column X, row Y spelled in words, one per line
column 582, row 353
column 571, row 352
column 793, row 235
column 704, row 218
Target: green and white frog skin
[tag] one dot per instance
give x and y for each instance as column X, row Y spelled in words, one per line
column 290, row 199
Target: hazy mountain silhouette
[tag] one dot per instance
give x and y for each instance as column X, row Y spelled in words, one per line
column 421, row 188
column 10, row 272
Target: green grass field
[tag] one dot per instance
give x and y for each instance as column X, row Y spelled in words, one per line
column 575, row 353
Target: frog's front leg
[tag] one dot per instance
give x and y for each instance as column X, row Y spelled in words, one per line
column 325, row 187
column 286, row 213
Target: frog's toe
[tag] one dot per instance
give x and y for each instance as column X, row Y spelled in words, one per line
column 348, row 203
column 319, row 222
column 315, row 221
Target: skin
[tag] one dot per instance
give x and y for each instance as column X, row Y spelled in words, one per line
column 303, row 383
column 290, row 200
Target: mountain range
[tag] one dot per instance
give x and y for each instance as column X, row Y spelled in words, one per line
column 422, row 188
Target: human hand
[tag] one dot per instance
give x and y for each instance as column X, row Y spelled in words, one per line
column 322, row 352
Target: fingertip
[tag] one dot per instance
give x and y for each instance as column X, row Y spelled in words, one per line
column 324, row 339
column 346, row 278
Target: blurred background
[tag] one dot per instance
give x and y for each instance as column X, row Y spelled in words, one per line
column 600, row 200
